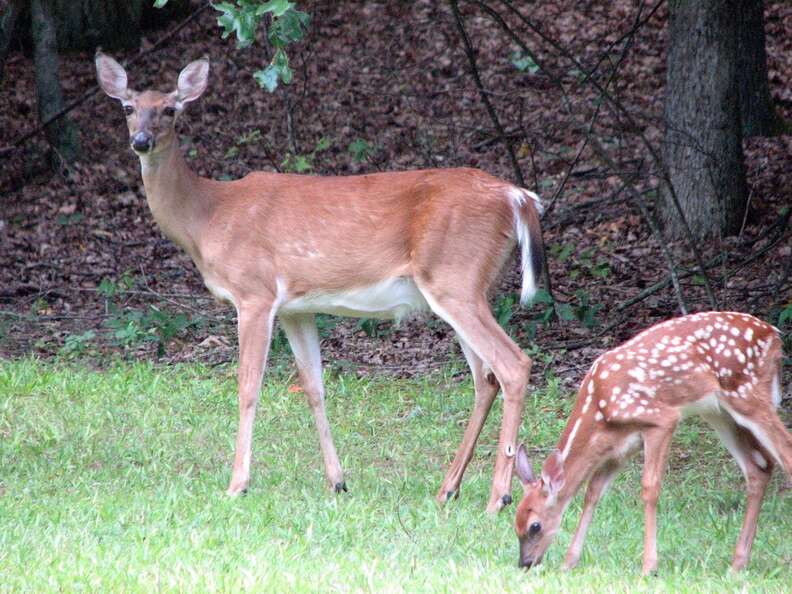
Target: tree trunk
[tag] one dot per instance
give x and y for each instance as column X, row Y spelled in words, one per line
column 703, row 140
column 86, row 24
column 8, row 21
column 61, row 133
column 111, row 24
column 756, row 103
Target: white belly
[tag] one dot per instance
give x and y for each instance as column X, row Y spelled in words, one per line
column 707, row 406
column 391, row 298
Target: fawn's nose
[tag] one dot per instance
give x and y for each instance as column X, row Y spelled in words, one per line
column 143, row 142
column 525, row 563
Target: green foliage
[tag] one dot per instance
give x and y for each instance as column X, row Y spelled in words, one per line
column 374, row 328
column 523, row 62
column 76, row 345
column 543, row 303
column 39, row 307
column 585, row 263
column 248, row 138
column 69, row 219
column 785, row 315
column 298, row 163
column 547, row 309
column 110, row 288
column 583, row 311
column 361, row 150
column 287, row 25
column 324, row 324
column 504, row 309
column 132, row 327
column 562, row 252
column 784, row 321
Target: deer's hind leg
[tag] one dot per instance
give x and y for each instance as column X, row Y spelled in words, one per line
column 303, row 339
column 471, row 318
column 757, row 467
column 486, row 388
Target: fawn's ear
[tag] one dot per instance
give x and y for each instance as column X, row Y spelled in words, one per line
column 112, row 76
column 523, row 467
column 553, row 473
column 193, row 80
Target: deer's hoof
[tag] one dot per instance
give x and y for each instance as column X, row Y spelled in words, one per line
column 341, row 487
column 506, row 500
column 236, row 491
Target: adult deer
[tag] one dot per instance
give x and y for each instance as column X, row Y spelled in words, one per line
column 379, row 246
column 722, row 366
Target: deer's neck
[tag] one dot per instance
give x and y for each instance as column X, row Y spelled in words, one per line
column 176, row 197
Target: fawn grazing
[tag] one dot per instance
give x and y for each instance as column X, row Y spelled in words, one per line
column 722, row 366
column 377, row 246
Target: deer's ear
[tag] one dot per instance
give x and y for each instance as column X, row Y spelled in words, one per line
column 193, row 80
column 523, row 466
column 112, row 76
column 553, row 473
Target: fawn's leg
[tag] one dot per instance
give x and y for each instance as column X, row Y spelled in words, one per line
column 598, row 483
column 757, row 467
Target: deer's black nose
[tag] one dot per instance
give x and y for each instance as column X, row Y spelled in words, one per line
column 143, row 142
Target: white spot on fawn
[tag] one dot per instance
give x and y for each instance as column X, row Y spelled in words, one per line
column 637, row 373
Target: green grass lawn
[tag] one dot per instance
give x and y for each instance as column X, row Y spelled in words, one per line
column 115, row 480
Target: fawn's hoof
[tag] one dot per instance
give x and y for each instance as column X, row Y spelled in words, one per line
column 341, row 487
column 506, row 500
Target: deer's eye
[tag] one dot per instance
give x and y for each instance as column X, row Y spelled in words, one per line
column 169, row 111
column 128, row 110
column 534, row 528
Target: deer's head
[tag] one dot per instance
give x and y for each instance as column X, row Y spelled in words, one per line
column 151, row 115
column 539, row 512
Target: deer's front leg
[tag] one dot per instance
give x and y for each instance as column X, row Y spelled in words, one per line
column 255, row 330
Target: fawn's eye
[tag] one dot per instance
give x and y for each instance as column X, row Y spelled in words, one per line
column 534, row 528
column 169, row 111
column 128, row 110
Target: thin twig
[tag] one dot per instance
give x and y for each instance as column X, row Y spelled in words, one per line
column 496, row 122
column 648, row 216
column 471, row 56
column 621, row 110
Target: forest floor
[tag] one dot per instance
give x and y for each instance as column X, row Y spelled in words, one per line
column 85, row 273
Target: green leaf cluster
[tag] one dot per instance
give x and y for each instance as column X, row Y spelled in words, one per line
column 304, row 163
column 361, row 150
column 134, row 326
column 523, row 62
column 287, row 25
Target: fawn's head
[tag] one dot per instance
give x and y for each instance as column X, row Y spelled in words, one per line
column 539, row 512
column 151, row 115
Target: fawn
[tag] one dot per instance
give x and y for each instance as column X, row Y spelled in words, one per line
column 722, row 366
